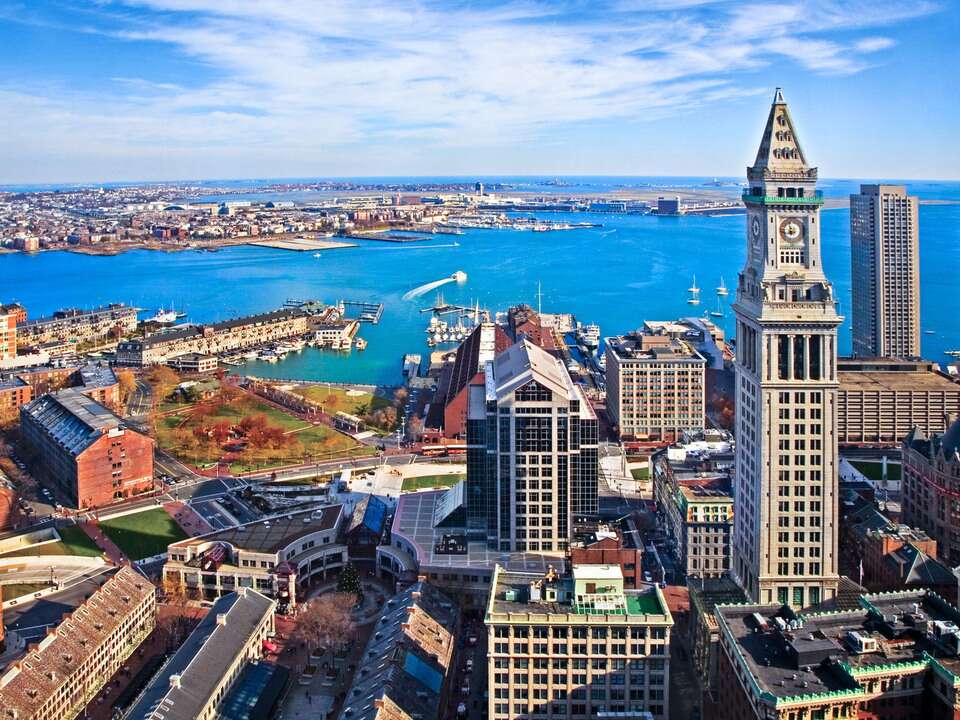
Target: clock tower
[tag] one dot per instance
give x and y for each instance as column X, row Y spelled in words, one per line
column 785, row 532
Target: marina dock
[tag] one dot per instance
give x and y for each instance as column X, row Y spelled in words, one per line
column 366, row 311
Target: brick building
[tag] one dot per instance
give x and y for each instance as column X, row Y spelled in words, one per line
column 90, row 455
column 230, row 335
column 931, row 487
column 606, row 545
column 8, row 333
column 95, row 380
column 67, row 669
column 77, row 326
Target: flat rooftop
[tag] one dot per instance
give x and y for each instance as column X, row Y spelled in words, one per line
column 272, row 535
column 650, row 347
column 414, row 519
column 511, row 594
column 892, row 375
column 794, row 662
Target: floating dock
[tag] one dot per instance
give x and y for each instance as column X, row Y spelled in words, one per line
column 366, row 311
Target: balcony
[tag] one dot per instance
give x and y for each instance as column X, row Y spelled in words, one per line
column 816, row 199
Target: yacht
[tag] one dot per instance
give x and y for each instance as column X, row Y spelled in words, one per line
column 164, row 317
column 360, row 343
column 722, row 289
column 589, row 335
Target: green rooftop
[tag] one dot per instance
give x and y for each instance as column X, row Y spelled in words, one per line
column 647, row 603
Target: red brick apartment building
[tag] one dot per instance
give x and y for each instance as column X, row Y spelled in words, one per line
column 89, row 453
column 58, row 676
column 94, row 380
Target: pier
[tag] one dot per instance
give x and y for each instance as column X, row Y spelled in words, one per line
column 367, row 311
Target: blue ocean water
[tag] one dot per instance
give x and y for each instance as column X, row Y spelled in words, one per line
column 631, row 269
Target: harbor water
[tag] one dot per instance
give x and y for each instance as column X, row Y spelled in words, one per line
column 633, row 268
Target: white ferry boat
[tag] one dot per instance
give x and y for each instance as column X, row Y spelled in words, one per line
column 589, row 335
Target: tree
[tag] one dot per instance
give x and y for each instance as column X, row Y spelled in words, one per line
column 349, row 582
column 163, row 380
column 174, row 618
column 400, row 396
column 128, row 383
column 325, row 621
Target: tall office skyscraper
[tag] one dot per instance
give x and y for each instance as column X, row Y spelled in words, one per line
column 785, row 501
column 885, row 255
column 531, row 452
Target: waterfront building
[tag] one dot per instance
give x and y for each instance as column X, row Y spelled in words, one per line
column 929, row 488
column 669, row 205
column 531, row 452
column 655, row 384
column 697, row 512
column 785, row 536
column 196, row 681
column 446, row 416
column 194, row 363
column 885, row 275
column 277, row 557
column 8, row 334
column 79, row 327
column 408, row 664
column 228, row 336
column 576, row 646
column 87, row 452
column 880, row 400
column 892, row 656
column 59, row 676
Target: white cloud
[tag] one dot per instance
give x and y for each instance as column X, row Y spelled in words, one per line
column 302, row 77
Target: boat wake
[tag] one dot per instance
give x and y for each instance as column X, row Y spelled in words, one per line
column 458, row 277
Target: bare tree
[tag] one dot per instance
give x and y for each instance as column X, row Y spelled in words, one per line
column 325, row 621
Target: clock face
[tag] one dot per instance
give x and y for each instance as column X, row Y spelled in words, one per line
column 755, row 227
column 791, row 230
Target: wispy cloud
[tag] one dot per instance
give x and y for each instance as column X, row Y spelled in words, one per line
column 299, row 76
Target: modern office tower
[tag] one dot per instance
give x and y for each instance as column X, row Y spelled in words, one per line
column 531, row 452
column 785, row 534
column 655, row 385
column 576, row 647
column 885, row 258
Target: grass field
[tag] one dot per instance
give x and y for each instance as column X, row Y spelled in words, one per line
column 425, row 482
column 336, row 399
column 143, row 534
column 311, row 442
column 16, row 590
column 640, row 473
column 874, row 470
column 74, row 541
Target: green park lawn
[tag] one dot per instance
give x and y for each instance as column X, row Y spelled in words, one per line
column 313, row 442
column 73, row 541
column 16, row 590
column 640, row 474
column 426, row 482
column 143, row 534
column 338, row 399
column 874, row 470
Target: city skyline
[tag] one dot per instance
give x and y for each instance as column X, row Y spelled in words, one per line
column 174, row 89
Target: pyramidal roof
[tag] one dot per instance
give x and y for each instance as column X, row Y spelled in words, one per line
column 780, row 150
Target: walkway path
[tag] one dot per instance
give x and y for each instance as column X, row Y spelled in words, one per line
column 188, row 519
column 114, row 553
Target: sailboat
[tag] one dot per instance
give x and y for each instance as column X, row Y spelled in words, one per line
column 694, row 291
column 718, row 313
column 722, row 289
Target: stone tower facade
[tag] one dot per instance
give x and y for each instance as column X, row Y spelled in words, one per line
column 785, row 535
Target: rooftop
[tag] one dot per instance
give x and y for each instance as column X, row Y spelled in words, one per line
column 183, row 688
column 46, row 668
column 878, row 374
column 272, row 535
column 791, row 656
column 194, row 330
column 661, row 345
column 71, row 419
column 402, row 671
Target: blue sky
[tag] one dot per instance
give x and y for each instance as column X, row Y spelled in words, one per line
column 177, row 89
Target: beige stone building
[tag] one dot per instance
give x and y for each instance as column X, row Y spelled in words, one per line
column 576, row 647
column 881, row 400
column 785, row 534
column 885, row 260
column 60, row 676
column 655, row 384
column 77, row 326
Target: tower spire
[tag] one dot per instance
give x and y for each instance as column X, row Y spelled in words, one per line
column 780, row 151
